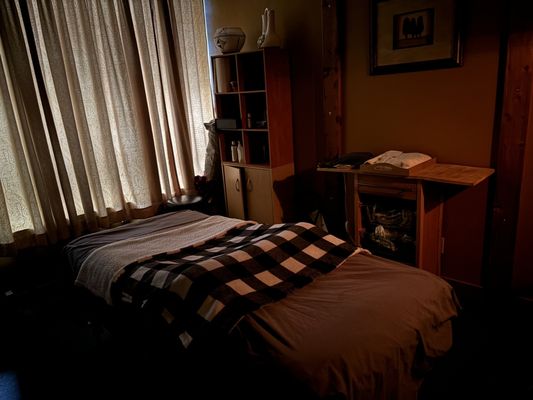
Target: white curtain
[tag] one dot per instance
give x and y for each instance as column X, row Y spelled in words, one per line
column 102, row 108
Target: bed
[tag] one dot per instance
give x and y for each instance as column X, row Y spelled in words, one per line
column 331, row 319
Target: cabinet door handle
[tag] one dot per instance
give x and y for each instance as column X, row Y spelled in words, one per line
column 249, row 185
column 237, row 185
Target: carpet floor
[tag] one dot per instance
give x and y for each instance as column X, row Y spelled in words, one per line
column 50, row 348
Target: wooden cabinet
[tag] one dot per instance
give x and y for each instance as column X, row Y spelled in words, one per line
column 249, row 193
column 400, row 217
column 253, row 108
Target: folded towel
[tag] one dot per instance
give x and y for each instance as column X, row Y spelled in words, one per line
column 409, row 160
column 399, row 159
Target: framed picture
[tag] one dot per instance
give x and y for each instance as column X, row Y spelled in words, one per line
column 414, row 35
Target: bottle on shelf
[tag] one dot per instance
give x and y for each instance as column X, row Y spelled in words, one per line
column 234, row 155
column 249, row 121
column 239, row 152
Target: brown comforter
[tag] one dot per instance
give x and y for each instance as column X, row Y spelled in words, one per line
column 364, row 331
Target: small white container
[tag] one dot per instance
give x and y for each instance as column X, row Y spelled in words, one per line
column 234, row 154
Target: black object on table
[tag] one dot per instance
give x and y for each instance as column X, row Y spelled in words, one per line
column 353, row 160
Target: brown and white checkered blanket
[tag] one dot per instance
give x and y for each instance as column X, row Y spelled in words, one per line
column 211, row 286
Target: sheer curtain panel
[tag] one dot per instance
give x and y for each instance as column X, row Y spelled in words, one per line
column 102, row 108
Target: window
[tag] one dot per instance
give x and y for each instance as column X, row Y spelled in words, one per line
column 101, row 111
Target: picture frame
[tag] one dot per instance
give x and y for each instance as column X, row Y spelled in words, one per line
column 415, row 35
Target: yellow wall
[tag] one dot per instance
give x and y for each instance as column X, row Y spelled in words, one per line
column 447, row 113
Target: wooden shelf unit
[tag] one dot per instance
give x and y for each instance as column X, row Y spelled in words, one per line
column 252, row 91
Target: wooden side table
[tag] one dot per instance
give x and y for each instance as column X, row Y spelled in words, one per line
column 420, row 194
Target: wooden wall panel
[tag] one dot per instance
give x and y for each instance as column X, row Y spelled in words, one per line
column 331, row 81
column 509, row 147
column 523, row 263
column 522, row 277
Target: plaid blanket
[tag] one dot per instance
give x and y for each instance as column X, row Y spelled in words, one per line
column 210, row 287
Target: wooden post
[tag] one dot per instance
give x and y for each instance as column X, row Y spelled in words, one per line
column 331, row 80
column 509, row 143
column 330, row 139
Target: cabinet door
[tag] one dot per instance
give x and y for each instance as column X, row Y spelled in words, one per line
column 259, row 195
column 234, row 191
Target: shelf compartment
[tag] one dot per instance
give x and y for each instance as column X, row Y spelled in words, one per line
column 251, row 71
column 256, row 147
column 228, row 107
column 225, row 72
column 225, row 138
column 255, row 110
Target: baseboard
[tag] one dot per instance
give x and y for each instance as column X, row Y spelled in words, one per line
column 472, row 295
column 468, row 294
